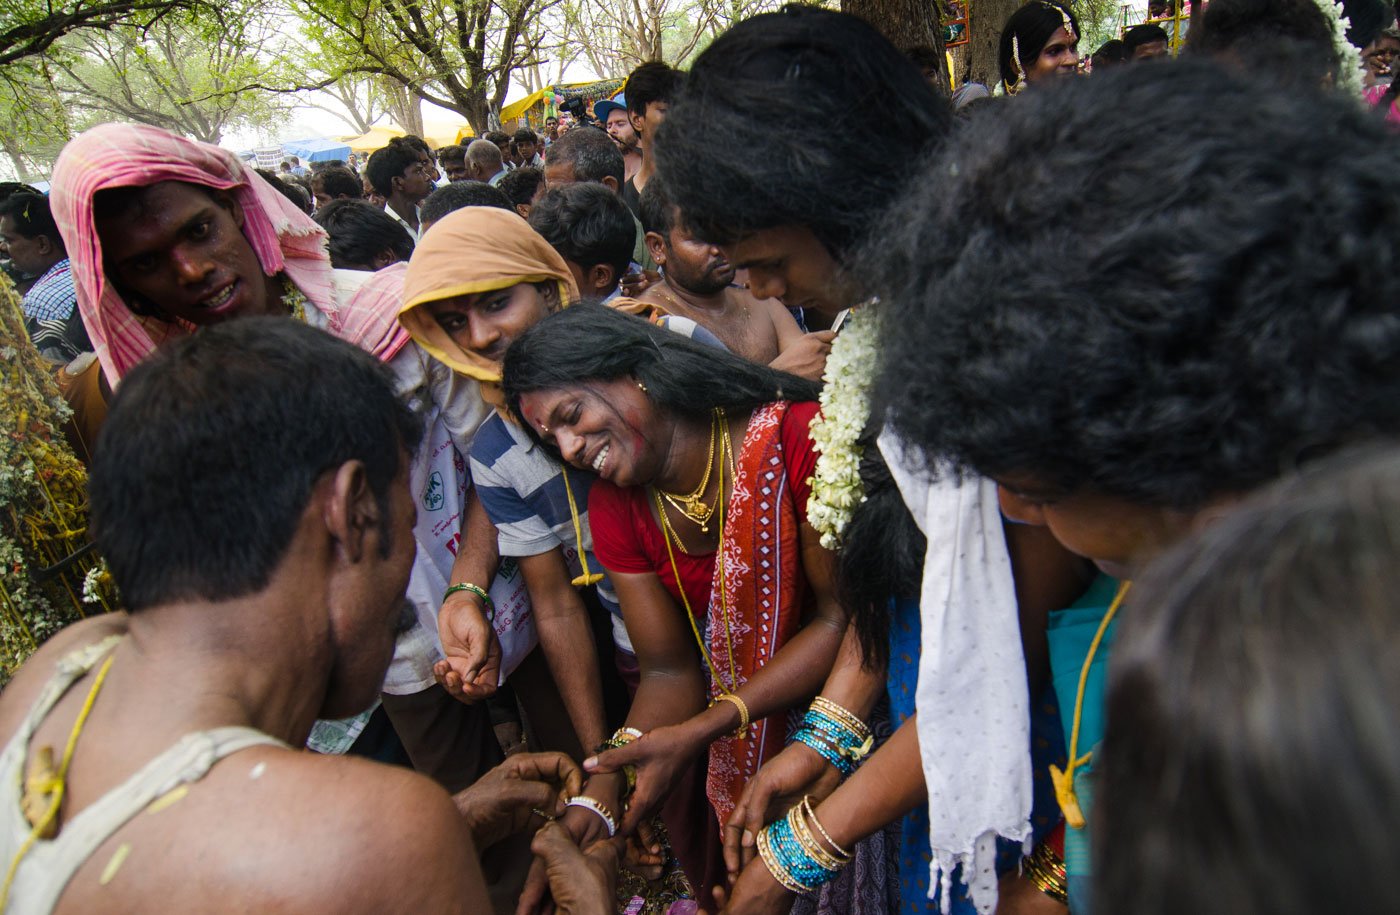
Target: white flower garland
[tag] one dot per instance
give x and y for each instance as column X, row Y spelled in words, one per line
column 1348, row 57
column 845, row 402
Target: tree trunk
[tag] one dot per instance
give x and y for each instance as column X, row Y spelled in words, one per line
column 405, row 108
column 906, row 23
column 986, row 19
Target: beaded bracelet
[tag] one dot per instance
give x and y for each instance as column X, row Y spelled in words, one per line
column 837, row 735
column 588, row 803
column 794, row 856
column 479, row 592
column 826, row 749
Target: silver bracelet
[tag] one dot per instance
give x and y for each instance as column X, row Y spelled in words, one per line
column 586, row 802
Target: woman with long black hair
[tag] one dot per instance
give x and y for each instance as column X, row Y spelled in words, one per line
column 699, row 516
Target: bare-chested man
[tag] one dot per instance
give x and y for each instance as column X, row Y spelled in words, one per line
column 251, row 497
column 698, row 283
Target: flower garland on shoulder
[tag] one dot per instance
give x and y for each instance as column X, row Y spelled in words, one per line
column 845, row 401
column 1349, row 66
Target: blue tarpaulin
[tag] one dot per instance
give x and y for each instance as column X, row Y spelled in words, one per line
column 317, row 149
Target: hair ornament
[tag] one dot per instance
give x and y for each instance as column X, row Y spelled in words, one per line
column 1017, row 84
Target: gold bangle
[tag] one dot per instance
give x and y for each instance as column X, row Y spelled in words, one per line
column 625, row 736
column 739, row 704
column 1046, row 870
column 812, row 815
column 803, row 833
column 843, row 715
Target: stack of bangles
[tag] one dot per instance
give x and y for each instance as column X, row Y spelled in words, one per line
column 1046, row 869
column 837, row 735
column 621, row 738
column 795, row 856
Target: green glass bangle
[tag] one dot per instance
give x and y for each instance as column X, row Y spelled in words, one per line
column 478, row 591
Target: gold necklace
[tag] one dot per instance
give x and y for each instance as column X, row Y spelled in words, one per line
column 693, row 505
column 668, row 534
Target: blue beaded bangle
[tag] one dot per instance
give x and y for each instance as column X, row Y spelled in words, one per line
column 794, row 859
column 825, row 748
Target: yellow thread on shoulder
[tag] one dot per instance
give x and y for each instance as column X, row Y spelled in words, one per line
column 56, row 785
column 169, row 798
column 115, row 863
column 1064, row 780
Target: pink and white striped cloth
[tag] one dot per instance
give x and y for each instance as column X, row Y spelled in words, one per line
column 284, row 238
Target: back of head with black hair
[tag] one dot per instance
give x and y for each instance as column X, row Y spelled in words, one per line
column 1288, row 39
column 387, row 163
column 590, row 342
column 1028, row 31
column 32, row 217
column 587, row 224
column 1109, row 53
column 520, row 184
column 413, row 142
column 459, row 194
column 657, row 212
column 1220, row 312
column 1139, row 35
column 591, row 152
column 10, row 188
column 287, row 187
column 653, row 81
column 360, row 232
column 1251, row 702
column 338, row 181
column 794, row 118
column 1366, row 19
column 212, row 447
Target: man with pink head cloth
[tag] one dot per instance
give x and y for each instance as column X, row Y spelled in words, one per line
column 167, row 235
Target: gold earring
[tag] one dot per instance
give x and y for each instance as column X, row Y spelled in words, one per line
column 642, row 387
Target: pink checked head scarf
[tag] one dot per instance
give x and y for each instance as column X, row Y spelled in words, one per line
column 284, row 238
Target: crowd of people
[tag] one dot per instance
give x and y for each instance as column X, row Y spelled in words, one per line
column 792, row 490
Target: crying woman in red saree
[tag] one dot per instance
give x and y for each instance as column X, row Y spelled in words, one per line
column 700, row 519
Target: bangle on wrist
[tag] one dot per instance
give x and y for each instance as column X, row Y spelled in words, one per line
column 480, row 592
column 738, row 704
column 588, row 803
column 1046, row 870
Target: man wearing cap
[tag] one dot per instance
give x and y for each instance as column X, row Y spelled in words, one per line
column 612, row 114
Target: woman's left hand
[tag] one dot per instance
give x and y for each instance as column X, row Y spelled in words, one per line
column 660, row 756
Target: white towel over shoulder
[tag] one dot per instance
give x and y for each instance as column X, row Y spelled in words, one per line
column 971, row 697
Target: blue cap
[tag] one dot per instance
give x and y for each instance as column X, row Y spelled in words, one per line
column 603, row 108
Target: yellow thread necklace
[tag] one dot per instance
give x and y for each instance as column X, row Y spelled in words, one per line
column 588, row 577
column 1064, row 781
column 45, row 781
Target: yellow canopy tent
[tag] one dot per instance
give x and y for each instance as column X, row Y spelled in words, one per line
column 374, row 138
column 438, row 135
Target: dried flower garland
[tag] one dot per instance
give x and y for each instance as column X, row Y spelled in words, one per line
column 845, row 401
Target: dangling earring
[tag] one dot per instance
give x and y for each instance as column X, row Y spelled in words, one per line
column 1016, row 84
